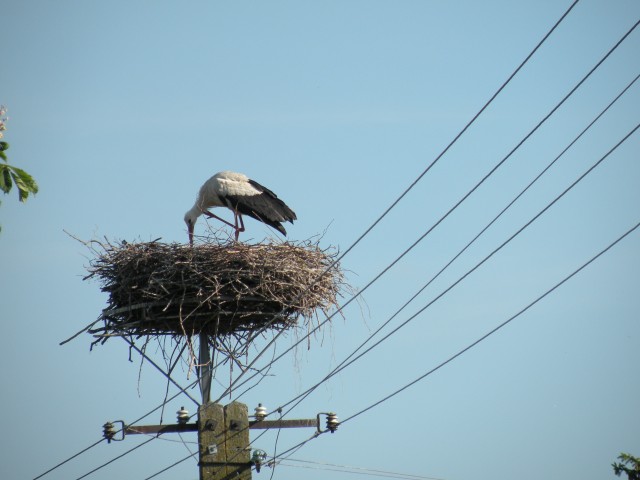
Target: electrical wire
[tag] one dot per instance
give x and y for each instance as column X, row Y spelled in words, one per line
column 345, row 363
column 128, row 451
column 300, row 445
column 368, row 230
column 275, row 446
column 464, row 198
column 297, row 447
column 494, row 330
column 157, row 367
column 398, row 199
column 546, row 208
column 182, row 390
column 442, row 218
column 292, row 449
column 70, row 458
column 115, row 458
column 357, row 470
column 171, row 466
column 580, row 178
column 185, row 443
column 287, row 453
column 343, row 470
column 457, row 137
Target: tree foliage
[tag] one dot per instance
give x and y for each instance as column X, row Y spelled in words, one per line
column 11, row 176
column 628, row 465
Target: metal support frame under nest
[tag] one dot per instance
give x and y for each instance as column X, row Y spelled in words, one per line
column 205, row 373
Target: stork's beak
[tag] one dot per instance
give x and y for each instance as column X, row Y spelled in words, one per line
column 190, row 227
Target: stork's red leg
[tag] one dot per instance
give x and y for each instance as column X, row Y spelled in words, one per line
column 240, row 228
column 211, row 215
column 236, row 227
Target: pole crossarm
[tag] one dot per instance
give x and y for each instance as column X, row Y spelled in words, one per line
column 193, row 427
column 298, row 423
column 160, row 429
column 223, row 436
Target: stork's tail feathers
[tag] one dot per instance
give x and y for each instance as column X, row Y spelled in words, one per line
column 272, row 223
column 280, row 228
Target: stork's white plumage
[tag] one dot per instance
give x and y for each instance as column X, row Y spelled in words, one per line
column 242, row 196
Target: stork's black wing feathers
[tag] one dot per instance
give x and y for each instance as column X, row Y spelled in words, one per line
column 264, row 206
column 287, row 214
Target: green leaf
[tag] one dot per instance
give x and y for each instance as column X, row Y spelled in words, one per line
column 5, row 178
column 4, row 146
column 26, row 180
column 23, row 189
column 3, row 156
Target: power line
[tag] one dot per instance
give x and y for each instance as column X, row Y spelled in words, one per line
column 102, row 439
column 290, row 450
column 454, row 207
column 171, row 466
column 491, row 332
column 345, row 363
column 298, row 446
column 367, row 231
column 455, row 139
column 69, row 459
column 115, row 458
column 420, row 311
column 167, row 400
column 491, row 172
column 356, row 470
column 191, row 455
column 589, row 170
column 167, row 375
column 402, row 195
column 275, row 445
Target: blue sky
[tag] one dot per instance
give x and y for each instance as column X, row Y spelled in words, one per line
column 121, row 110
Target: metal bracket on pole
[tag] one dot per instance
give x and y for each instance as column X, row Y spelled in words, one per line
column 205, row 372
column 332, row 422
column 109, row 431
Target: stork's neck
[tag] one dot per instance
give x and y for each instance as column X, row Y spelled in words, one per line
column 195, row 211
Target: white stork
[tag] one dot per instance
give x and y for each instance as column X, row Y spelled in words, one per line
column 242, row 196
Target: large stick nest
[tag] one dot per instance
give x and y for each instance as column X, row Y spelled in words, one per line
column 218, row 289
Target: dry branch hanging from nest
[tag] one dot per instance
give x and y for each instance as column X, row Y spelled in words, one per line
column 215, row 288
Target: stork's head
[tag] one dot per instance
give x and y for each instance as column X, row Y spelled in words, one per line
column 190, row 219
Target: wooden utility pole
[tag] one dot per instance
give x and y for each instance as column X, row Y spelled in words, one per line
column 223, row 438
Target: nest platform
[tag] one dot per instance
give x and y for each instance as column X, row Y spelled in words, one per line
column 219, row 289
